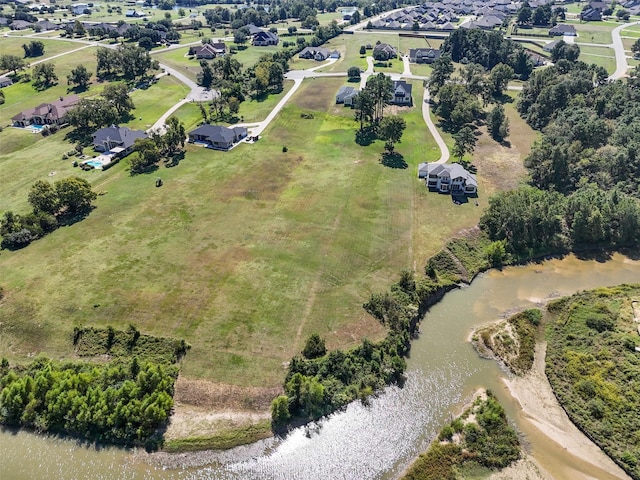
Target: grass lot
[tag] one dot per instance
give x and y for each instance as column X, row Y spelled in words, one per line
column 13, row 46
column 22, row 95
column 155, row 100
column 190, row 115
column 250, row 55
column 256, row 110
column 175, row 58
column 600, row 56
column 594, row 32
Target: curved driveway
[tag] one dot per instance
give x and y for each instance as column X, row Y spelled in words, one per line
column 621, row 56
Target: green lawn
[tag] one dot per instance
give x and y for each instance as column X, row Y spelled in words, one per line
column 175, row 58
column 600, row 56
column 594, row 32
column 13, row 46
column 153, row 102
column 250, row 55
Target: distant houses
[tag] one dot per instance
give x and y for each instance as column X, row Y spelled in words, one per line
column 46, row 113
column 217, row 136
column 208, row 51
column 79, row 8
column 346, row 96
column 318, row 53
column 133, row 14
column 450, row 178
column 424, row 55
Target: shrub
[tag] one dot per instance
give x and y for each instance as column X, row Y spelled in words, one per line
column 314, row 347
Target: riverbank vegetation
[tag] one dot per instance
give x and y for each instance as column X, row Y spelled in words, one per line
column 511, row 341
column 594, row 368
column 480, row 437
column 121, row 402
column 318, row 383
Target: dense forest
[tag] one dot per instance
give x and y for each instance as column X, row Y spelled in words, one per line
column 124, row 401
column 594, row 368
column 585, row 169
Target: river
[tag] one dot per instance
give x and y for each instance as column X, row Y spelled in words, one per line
column 376, row 441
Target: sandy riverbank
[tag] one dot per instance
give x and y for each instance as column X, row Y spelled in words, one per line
column 554, row 432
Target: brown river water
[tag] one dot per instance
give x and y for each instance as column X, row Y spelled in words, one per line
column 379, row 440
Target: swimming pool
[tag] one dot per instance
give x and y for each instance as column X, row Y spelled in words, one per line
column 95, row 164
column 37, row 128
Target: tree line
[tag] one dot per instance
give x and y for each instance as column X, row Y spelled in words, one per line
column 121, row 402
column 52, row 204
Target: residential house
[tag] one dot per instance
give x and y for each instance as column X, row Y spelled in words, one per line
column 79, row 8
column 384, row 51
column 551, row 45
column 401, row 93
column 20, row 25
column 133, row 14
column 217, row 136
column 590, row 14
column 563, row 29
column 47, row 25
column 117, row 138
column 46, row 113
column 318, row 53
column 5, row 82
column 424, row 55
column 208, row 50
column 263, row 39
column 346, row 96
column 450, row 178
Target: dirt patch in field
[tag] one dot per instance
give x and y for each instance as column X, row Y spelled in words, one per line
column 219, row 396
column 500, row 166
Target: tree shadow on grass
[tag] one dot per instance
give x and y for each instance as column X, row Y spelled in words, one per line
column 393, row 160
column 175, row 160
column 365, row 137
column 143, row 171
column 70, row 218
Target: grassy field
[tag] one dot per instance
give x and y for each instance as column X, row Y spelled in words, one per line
column 150, row 105
column 594, row 32
column 243, row 253
column 176, row 58
column 600, row 56
column 13, row 46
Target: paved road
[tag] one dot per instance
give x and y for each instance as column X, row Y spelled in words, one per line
column 621, row 56
column 444, row 151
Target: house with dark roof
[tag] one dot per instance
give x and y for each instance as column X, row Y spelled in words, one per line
column 450, row 178
column 346, row 96
column 318, row 53
column 208, row 51
column 401, row 93
column 46, row 113
column 47, row 25
column 562, row 29
column 217, row 136
column 20, row 25
column 590, row 14
column 121, row 138
column 263, row 39
column 133, row 14
column 5, row 82
column 424, row 55
column 384, row 51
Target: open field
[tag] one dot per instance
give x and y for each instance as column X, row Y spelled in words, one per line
column 13, row 46
column 176, row 58
column 152, row 102
column 243, row 253
column 594, row 32
column 600, row 56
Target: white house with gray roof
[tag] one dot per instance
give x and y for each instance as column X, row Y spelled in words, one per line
column 114, row 137
column 450, row 178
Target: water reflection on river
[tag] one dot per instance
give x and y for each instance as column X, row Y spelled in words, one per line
column 363, row 442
